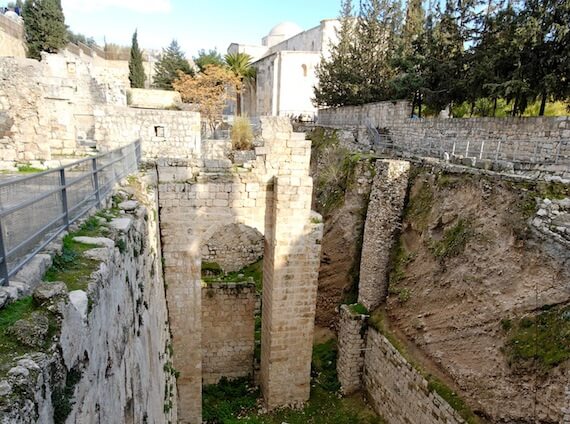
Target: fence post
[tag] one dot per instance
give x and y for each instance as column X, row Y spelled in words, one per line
column 96, row 182
column 4, row 263
column 64, row 197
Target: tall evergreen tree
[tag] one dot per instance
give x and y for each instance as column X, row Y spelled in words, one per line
column 167, row 68
column 337, row 73
column 136, row 69
column 210, row 57
column 45, row 28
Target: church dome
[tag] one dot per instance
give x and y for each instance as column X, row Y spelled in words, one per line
column 285, row 30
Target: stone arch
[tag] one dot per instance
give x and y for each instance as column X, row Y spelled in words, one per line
column 232, row 246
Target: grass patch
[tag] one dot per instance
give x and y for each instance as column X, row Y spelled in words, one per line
column 10, row 348
column 420, row 203
column 323, row 407
column 539, row 342
column 454, row 241
column 358, row 309
column 28, row 169
column 378, row 321
column 213, row 273
column 62, row 397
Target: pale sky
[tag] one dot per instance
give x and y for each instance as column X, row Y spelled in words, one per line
column 196, row 24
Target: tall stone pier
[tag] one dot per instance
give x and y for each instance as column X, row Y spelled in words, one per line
column 289, row 294
column 271, row 194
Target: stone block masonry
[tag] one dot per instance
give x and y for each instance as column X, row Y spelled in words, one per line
column 290, row 278
column 228, row 325
column 533, row 139
column 352, row 330
column 397, row 391
column 271, row 194
column 382, row 224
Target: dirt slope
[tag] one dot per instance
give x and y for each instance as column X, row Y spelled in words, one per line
column 468, row 268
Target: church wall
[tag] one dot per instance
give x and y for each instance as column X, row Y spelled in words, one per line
column 297, row 79
column 265, row 75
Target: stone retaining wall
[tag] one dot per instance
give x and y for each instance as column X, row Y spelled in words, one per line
column 382, row 223
column 529, row 139
column 228, row 331
column 11, row 38
column 397, row 391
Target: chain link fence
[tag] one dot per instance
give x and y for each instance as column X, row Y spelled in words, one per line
column 35, row 209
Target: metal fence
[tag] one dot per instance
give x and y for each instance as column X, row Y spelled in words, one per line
column 35, row 209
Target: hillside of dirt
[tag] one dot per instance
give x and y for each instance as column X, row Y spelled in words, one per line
column 485, row 299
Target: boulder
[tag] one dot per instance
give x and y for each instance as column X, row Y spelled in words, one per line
column 128, row 205
column 80, row 302
column 96, row 241
column 32, row 331
column 46, row 291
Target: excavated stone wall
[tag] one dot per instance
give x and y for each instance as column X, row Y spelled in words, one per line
column 352, row 330
column 111, row 361
column 382, row 223
column 397, row 391
column 228, row 327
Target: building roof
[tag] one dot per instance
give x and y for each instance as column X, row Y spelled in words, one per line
column 285, row 29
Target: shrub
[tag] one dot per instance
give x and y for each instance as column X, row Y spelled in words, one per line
column 241, row 134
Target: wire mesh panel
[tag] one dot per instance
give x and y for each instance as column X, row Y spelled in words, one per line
column 35, row 209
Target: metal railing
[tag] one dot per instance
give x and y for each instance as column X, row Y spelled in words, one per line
column 35, row 209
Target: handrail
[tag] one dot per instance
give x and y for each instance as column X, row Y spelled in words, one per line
column 15, row 254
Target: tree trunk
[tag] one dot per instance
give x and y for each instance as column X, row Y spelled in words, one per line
column 238, row 102
column 414, row 104
column 494, row 107
column 542, row 104
column 472, row 109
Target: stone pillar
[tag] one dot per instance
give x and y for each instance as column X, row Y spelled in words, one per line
column 291, row 265
column 352, row 331
column 382, row 222
column 184, row 294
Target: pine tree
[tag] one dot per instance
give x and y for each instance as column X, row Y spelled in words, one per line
column 210, row 57
column 170, row 64
column 45, row 27
column 336, row 74
column 136, row 70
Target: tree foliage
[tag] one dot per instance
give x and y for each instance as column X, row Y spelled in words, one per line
column 169, row 66
column 240, row 65
column 136, row 69
column 459, row 51
column 210, row 57
column 45, row 28
column 209, row 90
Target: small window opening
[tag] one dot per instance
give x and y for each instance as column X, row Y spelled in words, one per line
column 304, row 70
column 159, row 131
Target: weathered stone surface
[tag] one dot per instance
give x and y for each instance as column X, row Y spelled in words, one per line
column 5, row 388
column 47, row 291
column 128, row 205
column 4, row 297
column 96, row 241
column 121, row 224
column 22, row 288
column 351, row 344
column 79, row 300
column 33, row 272
column 101, row 254
column 382, row 223
column 32, row 331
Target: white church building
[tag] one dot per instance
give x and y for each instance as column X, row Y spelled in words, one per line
column 285, row 63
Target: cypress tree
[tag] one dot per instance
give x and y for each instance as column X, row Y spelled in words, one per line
column 136, row 70
column 45, row 27
column 170, row 63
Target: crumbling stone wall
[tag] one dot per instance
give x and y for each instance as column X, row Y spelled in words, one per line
column 397, row 391
column 233, row 247
column 352, row 330
column 228, row 326
column 11, row 38
column 382, row 223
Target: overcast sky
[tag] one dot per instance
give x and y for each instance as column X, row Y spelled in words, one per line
column 196, row 24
